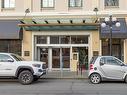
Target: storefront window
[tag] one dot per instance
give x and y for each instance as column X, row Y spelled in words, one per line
column 55, row 58
column 65, row 39
column 54, row 39
column 79, row 39
column 13, row 46
column 117, row 47
column 41, row 39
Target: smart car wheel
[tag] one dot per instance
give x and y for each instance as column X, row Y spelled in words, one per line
column 95, row 78
column 25, row 77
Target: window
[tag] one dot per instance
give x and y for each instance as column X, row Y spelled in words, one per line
column 54, row 39
column 111, row 3
column 9, row 46
column 79, row 39
column 41, row 40
column 75, row 3
column 17, row 57
column 4, row 58
column 47, row 3
column 111, row 61
column 8, row 3
column 65, row 39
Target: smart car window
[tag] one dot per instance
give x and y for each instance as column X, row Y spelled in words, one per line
column 111, row 61
column 93, row 59
column 102, row 60
column 4, row 58
column 119, row 62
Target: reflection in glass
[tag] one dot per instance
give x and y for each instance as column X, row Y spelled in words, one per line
column 9, row 3
column 75, row 3
column 66, row 57
column 41, row 39
column 111, row 2
column 55, row 58
column 44, row 55
column 79, row 39
column 65, row 39
column 47, row 3
column 54, row 39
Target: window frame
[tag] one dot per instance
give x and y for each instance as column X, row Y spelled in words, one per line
column 111, row 6
column 9, row 5
column 75, row 6
column 48, row 3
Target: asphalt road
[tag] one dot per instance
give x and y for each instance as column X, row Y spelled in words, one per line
column 62, row 87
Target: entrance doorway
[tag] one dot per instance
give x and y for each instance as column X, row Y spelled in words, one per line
column 80, row 57
column 61, row 58
column 44, row 55
column 117, row 47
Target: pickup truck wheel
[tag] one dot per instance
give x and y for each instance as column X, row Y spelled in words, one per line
column 125, row 79
column 25, row 77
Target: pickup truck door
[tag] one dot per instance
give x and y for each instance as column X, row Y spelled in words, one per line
column 7, row 66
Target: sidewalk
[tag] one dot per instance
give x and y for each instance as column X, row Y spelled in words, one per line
column 66, row 74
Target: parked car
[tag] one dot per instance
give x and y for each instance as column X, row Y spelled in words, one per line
column 107, row 68
column 12, row 65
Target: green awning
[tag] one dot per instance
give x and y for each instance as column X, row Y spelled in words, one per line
column 60, row 28
column 59, row 24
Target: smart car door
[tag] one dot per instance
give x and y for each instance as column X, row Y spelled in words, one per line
column 112, row 68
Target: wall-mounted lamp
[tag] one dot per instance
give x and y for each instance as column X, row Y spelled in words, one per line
column 96, row 10
column 26, row 12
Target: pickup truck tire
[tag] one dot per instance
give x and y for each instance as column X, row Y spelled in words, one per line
column 25, row 77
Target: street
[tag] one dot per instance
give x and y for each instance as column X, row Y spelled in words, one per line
column 62, row 87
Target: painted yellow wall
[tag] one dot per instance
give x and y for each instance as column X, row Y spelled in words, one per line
column 125, row 51
column 95, row 42
column 27, row 44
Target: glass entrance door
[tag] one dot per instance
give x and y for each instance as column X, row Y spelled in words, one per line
column 61, row 58
column 44, row 55
column 66, row 57
column 56, row 58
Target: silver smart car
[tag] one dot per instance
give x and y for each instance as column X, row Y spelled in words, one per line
column 107, row 68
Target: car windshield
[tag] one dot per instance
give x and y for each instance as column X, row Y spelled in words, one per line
column 17, row 57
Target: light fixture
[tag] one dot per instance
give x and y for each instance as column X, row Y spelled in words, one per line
column 110, row 21
column 96, row 10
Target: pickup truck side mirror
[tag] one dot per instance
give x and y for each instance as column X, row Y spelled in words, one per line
column 10, row 60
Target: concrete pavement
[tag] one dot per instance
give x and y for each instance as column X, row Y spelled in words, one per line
column 63, row 87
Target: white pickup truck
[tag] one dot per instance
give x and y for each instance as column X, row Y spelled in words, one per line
column 12, row 65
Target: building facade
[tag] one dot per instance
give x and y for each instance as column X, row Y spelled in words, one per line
column 63, row 33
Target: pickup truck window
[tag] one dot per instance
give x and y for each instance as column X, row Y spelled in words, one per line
column 17, row 58
column 4, row 58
